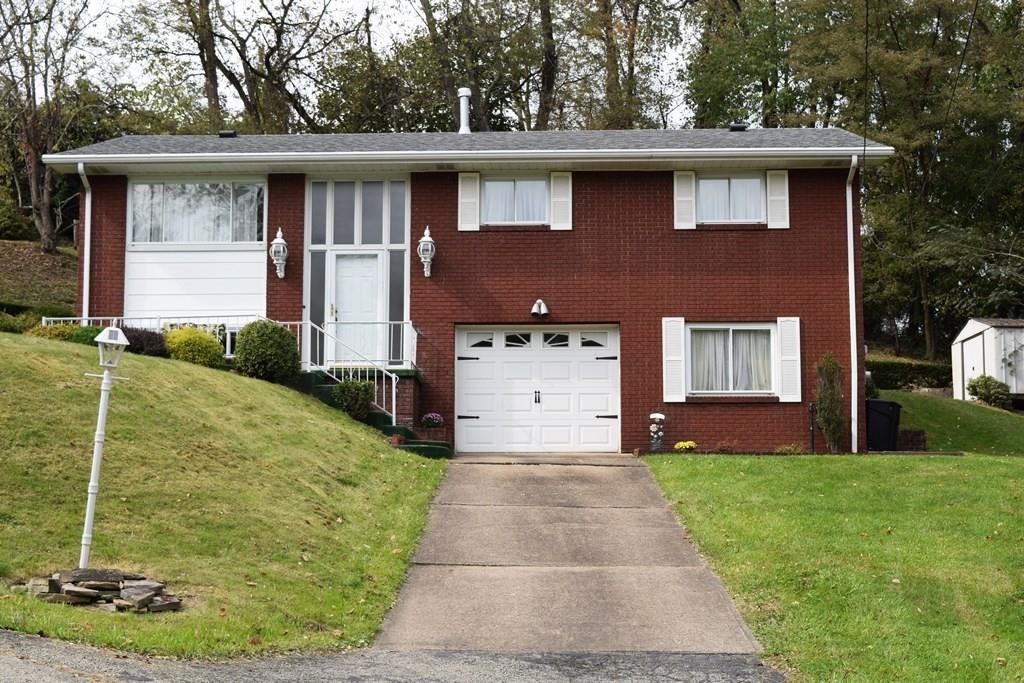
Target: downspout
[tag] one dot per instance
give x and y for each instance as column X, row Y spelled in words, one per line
column 86, row 242
column 852, row 284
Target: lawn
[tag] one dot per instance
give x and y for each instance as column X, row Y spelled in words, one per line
column 284, row 524
column 872, row 568
column 30, row 278
column 961, row 425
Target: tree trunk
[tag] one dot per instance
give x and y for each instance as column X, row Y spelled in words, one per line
column 548, row 68
column 614, row 118
column 208, row 59
column 441, row 54
column 931, row 350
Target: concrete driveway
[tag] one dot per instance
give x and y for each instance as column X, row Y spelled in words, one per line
column 559, row 554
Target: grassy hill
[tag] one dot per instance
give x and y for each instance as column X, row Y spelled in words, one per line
column 30, row 278
column 961, row 425
column 283, row 523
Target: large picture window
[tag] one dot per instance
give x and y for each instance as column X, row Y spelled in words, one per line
column 730, row 359
column 184, row 213
column 515, row 200
column 734, row 198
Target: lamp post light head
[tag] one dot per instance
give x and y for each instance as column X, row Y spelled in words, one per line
column 279, row 253
column 426, row 249
column 111, row 342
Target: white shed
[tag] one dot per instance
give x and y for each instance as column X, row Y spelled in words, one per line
column 989, row 346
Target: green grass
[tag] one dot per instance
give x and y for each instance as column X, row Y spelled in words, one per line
column 284, row 524
column 30, row 278
column 870, row 568
column 961, row 425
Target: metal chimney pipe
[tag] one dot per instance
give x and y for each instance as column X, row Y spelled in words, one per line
column 464, row 94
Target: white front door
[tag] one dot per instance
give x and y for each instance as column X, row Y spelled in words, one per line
column 358, row 285
column 535, row 390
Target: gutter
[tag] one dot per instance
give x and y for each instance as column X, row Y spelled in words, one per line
column 439, row 156
column 87, row 241
column 852, row 285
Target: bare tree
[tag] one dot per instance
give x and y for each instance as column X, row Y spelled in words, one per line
column 40, row 63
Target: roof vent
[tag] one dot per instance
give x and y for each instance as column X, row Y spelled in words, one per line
column 227, row 134
column 738, row 127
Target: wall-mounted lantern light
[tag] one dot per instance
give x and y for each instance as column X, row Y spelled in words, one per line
column 111, row 343
column 540, row 309
column 279, row 253
column 426, row 250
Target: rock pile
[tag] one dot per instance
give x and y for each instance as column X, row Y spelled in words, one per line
column 111, row 590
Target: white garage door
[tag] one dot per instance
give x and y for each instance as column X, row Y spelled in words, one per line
column 537, row 390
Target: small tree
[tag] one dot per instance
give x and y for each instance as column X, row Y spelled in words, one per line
column 829, row 398
column 991, row 391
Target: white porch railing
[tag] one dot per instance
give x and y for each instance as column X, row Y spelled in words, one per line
column 391, row 343
column 318, row 345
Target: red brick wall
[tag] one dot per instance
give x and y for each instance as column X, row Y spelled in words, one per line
column 106, row 268
column 623, row 263
column 286, row 207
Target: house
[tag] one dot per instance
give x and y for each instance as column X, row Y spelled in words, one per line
column 582, row 280
column 989, row 346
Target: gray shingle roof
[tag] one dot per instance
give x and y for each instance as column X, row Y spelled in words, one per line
column 1002, row 322
column 686, row 139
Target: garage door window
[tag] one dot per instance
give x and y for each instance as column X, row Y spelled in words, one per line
column 480, row 340
column 556, row 340
column 517, row 340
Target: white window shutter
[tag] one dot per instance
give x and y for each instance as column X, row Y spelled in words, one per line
column 673, row 359
column 778, row 199
column 561, row 201
column 685, row 200
column 469, row 201
column 788, row 364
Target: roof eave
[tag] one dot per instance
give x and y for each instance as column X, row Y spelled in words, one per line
column 69, row 161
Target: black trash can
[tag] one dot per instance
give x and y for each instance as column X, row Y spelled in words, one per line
column 883, row 424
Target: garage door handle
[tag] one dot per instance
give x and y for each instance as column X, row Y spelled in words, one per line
column 467, row 417
column 606, row 358
column 607, row 417
column 466, row 358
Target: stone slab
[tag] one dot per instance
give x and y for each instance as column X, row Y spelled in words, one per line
column 595, row 459
column 554, row 536
column 549, row 485
column 565, row 609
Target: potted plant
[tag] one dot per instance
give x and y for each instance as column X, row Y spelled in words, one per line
column 431, row 428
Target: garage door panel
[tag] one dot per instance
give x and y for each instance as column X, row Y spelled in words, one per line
column 501, row 388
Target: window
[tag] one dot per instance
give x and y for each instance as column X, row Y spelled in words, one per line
column 730, row 358
column 480, row 340
column 736, row 198
column 556, row 340
column 597, row 340
column 517, row 340
column 515, row 200
column 196, row 212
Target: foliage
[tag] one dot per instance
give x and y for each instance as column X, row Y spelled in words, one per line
column 239, row 493
column 84, row 334
column 864, row 569
column 432, row 420
column 60, row 332
column 354, row 397
column 790, row 449
column 991, row 391
column 193, row 345
column 684, row 446
column 829, row 401
column 894, row 372
column 961, row 425
column 870, row 387
column 145, row 342
column 21, row 322
column 265, row 350
column 31, row 279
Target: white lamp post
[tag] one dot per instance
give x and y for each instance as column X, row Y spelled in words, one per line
column 426, row 250
column 279, row 253
column 112, row 343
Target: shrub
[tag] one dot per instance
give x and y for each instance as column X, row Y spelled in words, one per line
column 84, row 334
column 11, row 323
column 870, row 388
column 60, row 332
column 265, row 350
column 991, row 391
column 192, row 345
column 355, row 398
column 892, row 372
column 145, row 342
column 684, row 446
column 829, row 399
column 790, row 449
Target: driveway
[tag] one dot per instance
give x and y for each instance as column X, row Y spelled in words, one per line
column 564, row 554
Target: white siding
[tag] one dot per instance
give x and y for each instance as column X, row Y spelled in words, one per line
column 172, row 282
column 1009, row 357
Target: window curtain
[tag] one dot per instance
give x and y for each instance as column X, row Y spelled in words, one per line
column 248, row 213
column 745, row 199
column 531, row 201
column 499, row 201
column 713, row 199
column 147, row 199
column 709, row 360
column 752, row 360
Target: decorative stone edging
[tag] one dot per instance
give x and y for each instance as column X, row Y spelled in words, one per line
column 111, row 590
